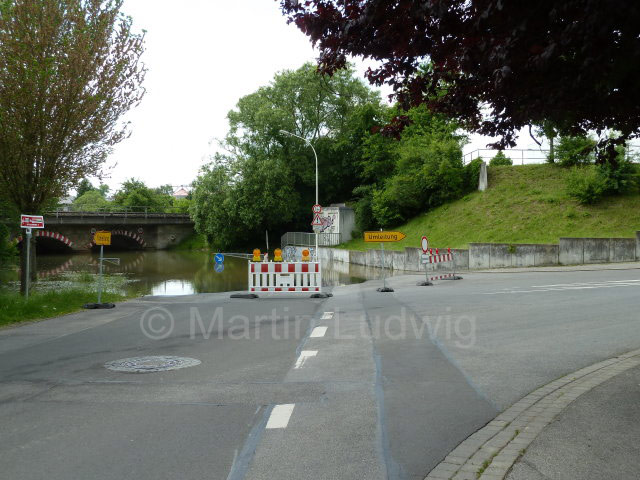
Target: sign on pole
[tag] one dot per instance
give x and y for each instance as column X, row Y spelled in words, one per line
column 383, row 236
column 317, row 208
column 219, row 258
column 102, row 238
column 31, row 221
column 317, row 221
column 425, row 245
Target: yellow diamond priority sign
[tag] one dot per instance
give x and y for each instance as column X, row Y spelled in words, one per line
column 102, row 238
column 383, row 236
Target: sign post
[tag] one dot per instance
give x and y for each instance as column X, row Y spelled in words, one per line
column 29, row 222
column 383, row 237
column 219, row 262
column 102, row 238
column 424, row 244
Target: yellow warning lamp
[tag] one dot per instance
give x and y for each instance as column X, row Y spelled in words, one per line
column 277, row 255
column 256, row 255
column 305, row 255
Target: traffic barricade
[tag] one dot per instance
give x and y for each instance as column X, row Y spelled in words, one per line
column 285, row 277
column 434, row 260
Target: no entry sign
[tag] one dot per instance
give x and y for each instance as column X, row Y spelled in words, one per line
column 425, row 245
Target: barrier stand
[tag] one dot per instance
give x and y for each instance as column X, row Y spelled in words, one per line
column 433, row 260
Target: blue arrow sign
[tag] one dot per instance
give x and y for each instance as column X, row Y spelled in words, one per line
column 219, row 258
column 219, row 267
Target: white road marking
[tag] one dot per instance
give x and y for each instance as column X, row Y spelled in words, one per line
column 318, row 332
column 327, row 315
column 303, row 357
column 280, row 416
column 569, row 286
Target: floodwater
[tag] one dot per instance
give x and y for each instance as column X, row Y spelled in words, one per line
column 162, row 273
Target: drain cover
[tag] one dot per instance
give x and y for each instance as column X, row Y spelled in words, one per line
column 151, row 364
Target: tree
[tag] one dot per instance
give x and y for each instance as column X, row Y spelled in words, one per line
column 135, row 194
column 500, row 160
column 575, row 150
column 91, row 201
column 69, row 70
column 266, row 179
column 494, row 66
column 83, row 187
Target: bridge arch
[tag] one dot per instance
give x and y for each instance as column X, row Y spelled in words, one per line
column 55, row 240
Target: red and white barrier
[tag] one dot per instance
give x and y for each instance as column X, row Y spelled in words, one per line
column 443, row 257
column 443, row 276
column 290, row 277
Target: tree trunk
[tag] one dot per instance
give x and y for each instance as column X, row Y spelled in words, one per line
column 552, row 155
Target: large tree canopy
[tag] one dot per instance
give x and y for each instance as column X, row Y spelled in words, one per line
column 495, row 66
column 264, row 179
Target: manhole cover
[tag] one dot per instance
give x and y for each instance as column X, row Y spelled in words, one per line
column 151, row 364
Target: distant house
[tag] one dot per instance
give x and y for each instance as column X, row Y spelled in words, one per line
column 180, row 193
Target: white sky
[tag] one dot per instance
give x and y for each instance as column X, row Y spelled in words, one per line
column 202, row 56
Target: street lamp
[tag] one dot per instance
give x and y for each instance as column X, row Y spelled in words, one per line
column 284, row 132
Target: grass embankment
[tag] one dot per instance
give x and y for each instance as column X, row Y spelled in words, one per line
column 192, row 243
column 523, row 204
column 14, row 308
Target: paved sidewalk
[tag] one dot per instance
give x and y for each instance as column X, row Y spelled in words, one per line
column 596, row 437
column 593, row 438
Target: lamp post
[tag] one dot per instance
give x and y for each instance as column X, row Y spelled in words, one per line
column 316, row 156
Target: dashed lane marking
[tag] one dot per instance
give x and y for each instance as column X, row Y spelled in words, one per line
column 327, row 315
column 318, row 332
column 304, row 355
column 280, row 416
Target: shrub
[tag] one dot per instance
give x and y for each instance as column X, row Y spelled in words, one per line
column 573, row 151
column 500, row 160
column 587, row 185
column 7, row 249
column 472, row 174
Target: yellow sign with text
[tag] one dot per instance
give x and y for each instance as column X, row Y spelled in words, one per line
column 102, row 238
column 383, row 236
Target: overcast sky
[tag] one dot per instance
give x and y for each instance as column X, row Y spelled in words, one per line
column 202, row 56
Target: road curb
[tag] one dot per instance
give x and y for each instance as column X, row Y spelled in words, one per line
column 490, row 453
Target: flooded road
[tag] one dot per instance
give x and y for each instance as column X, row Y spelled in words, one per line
column 163, row 272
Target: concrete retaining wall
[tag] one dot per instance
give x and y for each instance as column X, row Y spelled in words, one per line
column 569, row 251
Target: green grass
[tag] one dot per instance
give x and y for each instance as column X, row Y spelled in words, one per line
column 523, row 204
column 194, row 242
column 14, row 308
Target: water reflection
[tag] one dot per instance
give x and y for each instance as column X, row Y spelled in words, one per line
column 170, row 272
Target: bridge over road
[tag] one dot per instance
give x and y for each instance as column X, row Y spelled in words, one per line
column 131, row 228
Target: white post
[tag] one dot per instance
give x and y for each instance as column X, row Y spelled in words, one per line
column 100, row 274
column 28, row 276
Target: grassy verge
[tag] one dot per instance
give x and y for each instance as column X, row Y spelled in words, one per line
column 523, row 204
column 194, row 242
column 14, row 308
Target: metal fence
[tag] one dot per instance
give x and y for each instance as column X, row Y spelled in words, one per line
column 530, row 156
column 116, row 211
column 304, row 239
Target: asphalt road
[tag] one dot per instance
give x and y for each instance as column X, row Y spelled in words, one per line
column 363, row 385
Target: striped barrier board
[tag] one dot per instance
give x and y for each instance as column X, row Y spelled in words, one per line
column 443, row 276
column 293, row 277
column 443, row 257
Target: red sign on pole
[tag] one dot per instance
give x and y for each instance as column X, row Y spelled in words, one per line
column 317, row 208
column 425, row 245
column 316, row 220
column 32, row 221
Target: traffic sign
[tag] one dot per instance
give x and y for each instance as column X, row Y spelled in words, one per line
column 317, row 208
column 425, row 244
column 383, row 236
column 424, row 258
column 316, row 220
column 102, row 238
column 219, row 267
column 219, row 258
column 31, row 221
